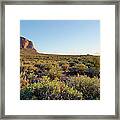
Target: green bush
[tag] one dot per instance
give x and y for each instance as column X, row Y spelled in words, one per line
column 59, row 77
column 90, row 87
column 47, row 90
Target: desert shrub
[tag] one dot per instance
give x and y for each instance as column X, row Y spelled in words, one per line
column 72, row 64
column 73, row 71
column 90, row 87
column 47, row 90
column 56, row 77
column 91, row 72
column 81, row 68
column 65, row 67
column 55, row 72
column 26, row 93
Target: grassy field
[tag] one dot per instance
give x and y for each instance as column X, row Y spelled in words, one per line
column 59, row 77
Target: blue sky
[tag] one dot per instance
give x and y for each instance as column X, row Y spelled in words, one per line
column 63, row 36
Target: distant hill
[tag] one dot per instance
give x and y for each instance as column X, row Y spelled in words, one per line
column 26, row 46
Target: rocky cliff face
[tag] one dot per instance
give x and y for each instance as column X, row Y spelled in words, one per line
column 26, row 46
column 25, row 43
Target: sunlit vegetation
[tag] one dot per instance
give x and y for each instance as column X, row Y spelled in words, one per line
column 59, row 77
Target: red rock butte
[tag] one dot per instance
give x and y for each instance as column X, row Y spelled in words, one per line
column 25, row 43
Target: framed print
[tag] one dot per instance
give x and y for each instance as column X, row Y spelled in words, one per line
column 59, row 60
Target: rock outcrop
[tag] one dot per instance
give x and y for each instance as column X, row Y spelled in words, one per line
column 25, row 43
column 26, row 46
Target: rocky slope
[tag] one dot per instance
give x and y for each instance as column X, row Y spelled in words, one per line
column 25, row 43
column 26, row 46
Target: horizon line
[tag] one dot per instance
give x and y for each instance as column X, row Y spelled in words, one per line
column 60, row 53
column 57, row 53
